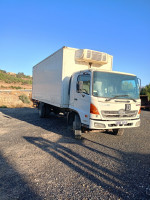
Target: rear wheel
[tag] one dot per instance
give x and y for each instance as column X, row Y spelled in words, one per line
column 42, row 110
column 118, row 132
column 47, row 110
column 56, row 111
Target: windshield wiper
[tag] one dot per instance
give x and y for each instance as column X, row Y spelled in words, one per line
column 120, row 96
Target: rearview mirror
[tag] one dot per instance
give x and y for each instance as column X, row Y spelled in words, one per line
column 139, row 81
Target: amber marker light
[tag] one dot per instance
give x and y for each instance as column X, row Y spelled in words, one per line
column 93, row 109
column 139, row 111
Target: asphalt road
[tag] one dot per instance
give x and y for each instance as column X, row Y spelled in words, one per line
column 40, row 159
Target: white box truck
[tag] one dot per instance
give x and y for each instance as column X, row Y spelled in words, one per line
column 81, row 83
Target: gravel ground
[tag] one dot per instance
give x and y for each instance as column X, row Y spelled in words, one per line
column 40, row 159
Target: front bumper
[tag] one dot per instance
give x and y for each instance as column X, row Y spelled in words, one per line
column 116, row 124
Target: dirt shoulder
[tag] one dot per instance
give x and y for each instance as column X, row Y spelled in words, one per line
column 15, row 90
column 15, row 98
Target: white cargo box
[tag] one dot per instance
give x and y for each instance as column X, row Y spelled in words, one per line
column 51, row 76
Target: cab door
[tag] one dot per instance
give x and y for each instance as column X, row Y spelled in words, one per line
column 82, row 97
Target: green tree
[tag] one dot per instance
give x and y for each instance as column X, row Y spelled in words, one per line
column 146, row 91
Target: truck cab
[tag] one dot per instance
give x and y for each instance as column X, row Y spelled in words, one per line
column 105, row 100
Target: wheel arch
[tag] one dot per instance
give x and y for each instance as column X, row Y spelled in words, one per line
column 72, row 114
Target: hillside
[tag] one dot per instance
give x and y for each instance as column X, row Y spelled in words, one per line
column 9, row 80
column 12, row 93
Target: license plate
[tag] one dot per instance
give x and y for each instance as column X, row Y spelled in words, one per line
column 127, row 107
column 121, row 122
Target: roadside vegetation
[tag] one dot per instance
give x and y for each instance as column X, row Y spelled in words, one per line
column 3, row 106
column 24, row 98
column 12, row 87
column 15, row 78
column 146, row 91
column 15, row 90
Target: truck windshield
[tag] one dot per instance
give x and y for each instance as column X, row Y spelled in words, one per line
column 115, row 86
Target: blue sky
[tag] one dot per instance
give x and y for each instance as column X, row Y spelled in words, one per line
column 31, row 30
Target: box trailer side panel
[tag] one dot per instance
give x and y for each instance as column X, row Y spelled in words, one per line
column 47, row 79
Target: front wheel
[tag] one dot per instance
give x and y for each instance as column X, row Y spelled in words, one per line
column 77, row 127
column 74, row 124
column 118, row 132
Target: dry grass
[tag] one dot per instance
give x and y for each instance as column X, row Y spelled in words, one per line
column 12, row 100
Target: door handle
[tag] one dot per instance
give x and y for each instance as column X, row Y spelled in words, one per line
column 75, row 99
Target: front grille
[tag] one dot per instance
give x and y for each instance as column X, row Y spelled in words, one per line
column 120, row 113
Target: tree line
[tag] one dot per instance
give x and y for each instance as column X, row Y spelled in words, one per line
column 145, row 91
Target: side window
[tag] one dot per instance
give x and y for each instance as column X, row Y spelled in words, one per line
column 85, row 79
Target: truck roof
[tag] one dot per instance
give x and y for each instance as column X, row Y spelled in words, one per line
column 64, row 48
column 98, row 69
column 115, row 72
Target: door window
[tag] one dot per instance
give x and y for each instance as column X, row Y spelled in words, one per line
column 85, row 79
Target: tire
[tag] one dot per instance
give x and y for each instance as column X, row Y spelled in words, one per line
column 42, row 110
column 77, row 127
column 74, row 125
column 78, row 137
column 70, row 119
column 118, row 132
column 56, row 111
column 47, row 110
